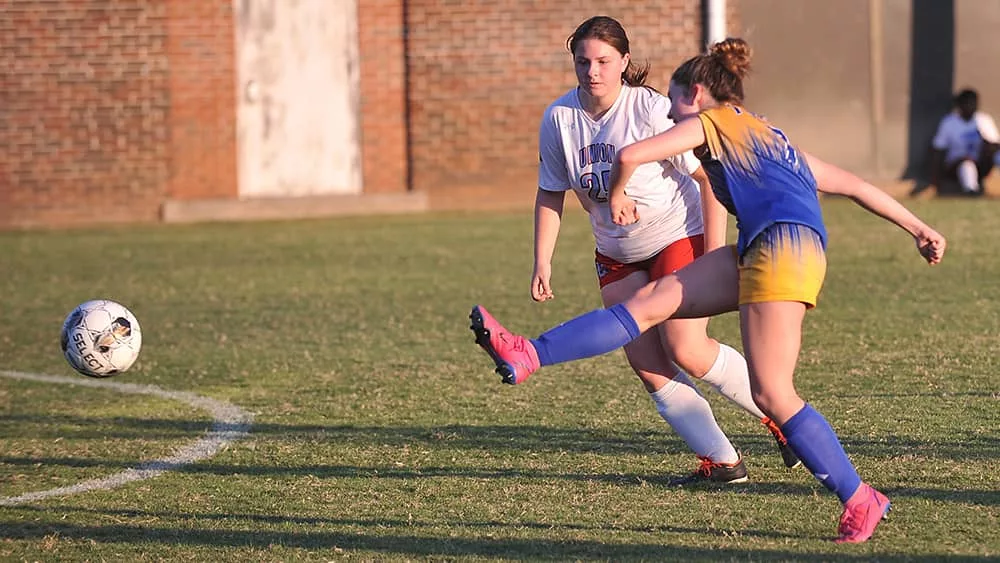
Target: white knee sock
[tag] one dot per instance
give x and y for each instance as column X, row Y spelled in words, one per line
column 691, row 417
column 968, row 176
column 729, row 376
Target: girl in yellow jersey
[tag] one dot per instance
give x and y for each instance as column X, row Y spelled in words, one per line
column 772, row 275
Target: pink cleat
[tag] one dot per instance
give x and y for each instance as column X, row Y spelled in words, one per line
column 514, row 355
column 862, row 513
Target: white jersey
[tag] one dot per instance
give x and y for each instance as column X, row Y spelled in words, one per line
column 576, row 152
column 962, row 139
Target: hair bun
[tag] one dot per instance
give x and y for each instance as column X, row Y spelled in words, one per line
column 734, row 54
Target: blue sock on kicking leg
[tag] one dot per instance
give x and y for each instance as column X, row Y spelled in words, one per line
column 817, row 445
column 591, row 334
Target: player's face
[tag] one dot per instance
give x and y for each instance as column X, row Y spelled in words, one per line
column 599, row 67
column 683, row 103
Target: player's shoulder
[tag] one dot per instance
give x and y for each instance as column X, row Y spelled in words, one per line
column 647, row 106
column 727, row 111
column 566, row 104
column 725, row 115
column 645, row 97
column 644, row 92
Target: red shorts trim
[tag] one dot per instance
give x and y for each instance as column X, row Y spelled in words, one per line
column 665, row 262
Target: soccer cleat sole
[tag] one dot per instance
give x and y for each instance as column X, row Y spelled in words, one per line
column 483, row 340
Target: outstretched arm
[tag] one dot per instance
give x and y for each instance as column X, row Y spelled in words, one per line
column 833, row 180
column 684, row 136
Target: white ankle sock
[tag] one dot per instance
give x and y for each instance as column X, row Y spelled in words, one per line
column 689, row 414
column 729, row 376
column 968, row 176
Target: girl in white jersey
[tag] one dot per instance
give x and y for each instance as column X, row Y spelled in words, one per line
column 579, row 135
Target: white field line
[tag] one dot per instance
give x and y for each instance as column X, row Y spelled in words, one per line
column 230, row 423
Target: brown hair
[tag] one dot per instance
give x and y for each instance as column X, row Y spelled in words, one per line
column 721, row 70
column 611, row 32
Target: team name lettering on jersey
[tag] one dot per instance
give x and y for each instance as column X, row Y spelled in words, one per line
column 598, row 152
column 577, row 154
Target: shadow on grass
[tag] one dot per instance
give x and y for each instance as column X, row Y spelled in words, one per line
column 482, row 543
column 942, row 395
column 805, row 485
column 963, row 445
column 56, row 425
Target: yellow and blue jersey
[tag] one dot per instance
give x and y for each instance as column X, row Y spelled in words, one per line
column 757, row 174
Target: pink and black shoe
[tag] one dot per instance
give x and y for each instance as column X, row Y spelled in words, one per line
column 514, row 355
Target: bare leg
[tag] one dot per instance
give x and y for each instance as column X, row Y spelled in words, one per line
column 772, row 337
column 708, row 286
column 687, row 341
column 676, row 399
column 720, row 366
column 645, row 354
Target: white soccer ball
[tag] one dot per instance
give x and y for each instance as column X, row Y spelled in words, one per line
column 101, row 338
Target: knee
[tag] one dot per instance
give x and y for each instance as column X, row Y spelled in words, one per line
column 655, row 302
column 761, row 398
column 646, row 355
column 689, row 345
column 640, row 364
column 693, row 353
column 653, row 379
column 653, row 369
column 773, row 399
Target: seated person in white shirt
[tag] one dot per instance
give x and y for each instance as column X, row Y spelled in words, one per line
column 965, row 145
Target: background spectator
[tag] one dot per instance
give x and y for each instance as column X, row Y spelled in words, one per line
column 965, row 146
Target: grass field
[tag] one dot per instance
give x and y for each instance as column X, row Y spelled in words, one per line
column 381, row 433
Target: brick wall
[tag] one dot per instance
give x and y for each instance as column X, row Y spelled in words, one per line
column 200, row 48
column 107, row 107
column 83, row 111
column 482, row 72
column 381, row 46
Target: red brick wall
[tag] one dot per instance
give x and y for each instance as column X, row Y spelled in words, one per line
column 481, row 73
column 83, row 111
column 107, row 107
column 110, row 107
column 200, row 48
column 383, row 95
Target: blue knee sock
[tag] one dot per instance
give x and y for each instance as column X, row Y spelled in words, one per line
column 591, row 334
column 816, row 444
